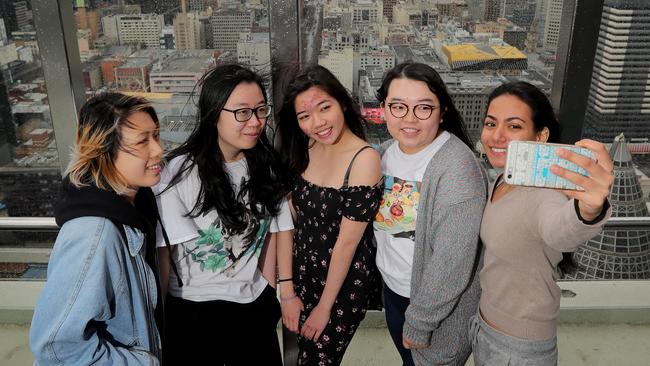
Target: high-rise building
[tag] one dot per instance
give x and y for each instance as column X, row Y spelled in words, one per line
column 541, row 7
column 3, row 33
column 206, row 32
column 160, row 7
column 187, row 31
column 618, row 254
column 140, row 29
column 492, row 10
column 195, row 5
column 167, row 38
column 89, row 19
column 7, row 126
column 8, row 14
column 341, row 64
column 619, row 96
column 226, row 26
column 388, row 9
column 508, row 7
column 552, row 24
column 253, row 50
column 366, row 12
column 22, row 15
column 523, row 16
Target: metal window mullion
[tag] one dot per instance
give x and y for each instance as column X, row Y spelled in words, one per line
column 576, row 50
column 56, row 31
column 284, row 42
column 285, row 55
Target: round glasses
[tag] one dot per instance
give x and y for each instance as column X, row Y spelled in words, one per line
column 245, row 114
column 421, row 111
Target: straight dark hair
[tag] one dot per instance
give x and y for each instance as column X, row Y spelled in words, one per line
column 541, row 108
column 453, row 121
column 264, row 187
column 543, row 116
column 294, row 144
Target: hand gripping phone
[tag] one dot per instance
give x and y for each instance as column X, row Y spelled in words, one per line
column 528, row 163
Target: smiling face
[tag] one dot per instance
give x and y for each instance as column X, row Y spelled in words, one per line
column 139, row 159
column 412, row 133
column 235, row 136
column 508, row 118
column 319, row 115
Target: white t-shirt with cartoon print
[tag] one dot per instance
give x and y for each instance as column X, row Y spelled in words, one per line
column 213, row 263
column 394, row 224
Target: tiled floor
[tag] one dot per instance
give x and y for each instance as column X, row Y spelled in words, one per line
column 580, row 345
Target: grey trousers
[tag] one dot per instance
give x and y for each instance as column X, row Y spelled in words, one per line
column 494, row 348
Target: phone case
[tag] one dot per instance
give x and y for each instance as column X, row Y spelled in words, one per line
column 528, row 164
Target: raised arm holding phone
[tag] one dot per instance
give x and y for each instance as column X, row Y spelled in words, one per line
column 528, row 232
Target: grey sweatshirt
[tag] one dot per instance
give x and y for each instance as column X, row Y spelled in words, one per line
column 444, row 284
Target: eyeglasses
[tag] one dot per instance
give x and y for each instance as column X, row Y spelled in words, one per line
column 421, row 111
column 244, row 114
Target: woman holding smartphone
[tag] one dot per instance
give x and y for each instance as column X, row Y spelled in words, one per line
column 526, row 230
column 429, row 218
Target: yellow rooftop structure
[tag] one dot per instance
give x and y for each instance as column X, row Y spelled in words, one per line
column 476, row 52
column 472, row 53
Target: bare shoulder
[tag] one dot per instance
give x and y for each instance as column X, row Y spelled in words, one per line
column 366, row 168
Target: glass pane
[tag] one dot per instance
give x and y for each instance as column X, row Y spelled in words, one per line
column 618, row 112
column 159, row 49
column 29, row 166
column 476, row 45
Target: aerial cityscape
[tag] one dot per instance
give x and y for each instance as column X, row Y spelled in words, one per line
column 160, row 49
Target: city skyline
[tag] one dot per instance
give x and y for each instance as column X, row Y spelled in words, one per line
column 153, row 47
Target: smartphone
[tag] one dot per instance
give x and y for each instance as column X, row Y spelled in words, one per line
column 528, row 163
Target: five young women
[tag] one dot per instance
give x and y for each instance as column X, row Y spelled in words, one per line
column 223, row 193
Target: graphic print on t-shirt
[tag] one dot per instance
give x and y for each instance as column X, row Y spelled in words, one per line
column 398, row 207
column 218, row 249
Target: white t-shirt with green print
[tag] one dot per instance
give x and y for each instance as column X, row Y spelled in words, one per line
column 213, row 263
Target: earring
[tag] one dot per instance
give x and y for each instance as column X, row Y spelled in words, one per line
column 441, row 120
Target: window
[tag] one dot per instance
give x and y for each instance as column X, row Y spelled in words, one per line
column 30, row 171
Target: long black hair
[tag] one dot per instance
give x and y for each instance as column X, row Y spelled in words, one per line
column 543, row 116
column 294, row 144
column 453, row 121
column 264, row 186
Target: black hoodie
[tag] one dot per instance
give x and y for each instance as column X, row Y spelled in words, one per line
column 91, row 201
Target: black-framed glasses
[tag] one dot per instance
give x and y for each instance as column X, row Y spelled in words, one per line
column 245, row 114
column 421, row 111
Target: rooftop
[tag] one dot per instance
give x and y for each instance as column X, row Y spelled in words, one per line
column 189, row 61
column 481, row 52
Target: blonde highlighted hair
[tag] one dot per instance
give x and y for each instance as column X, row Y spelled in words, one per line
column 99, row 139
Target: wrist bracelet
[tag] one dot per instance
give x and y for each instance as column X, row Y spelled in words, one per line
column 285, row 279
column 288, row 298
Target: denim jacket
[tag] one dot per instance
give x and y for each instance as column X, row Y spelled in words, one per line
column 98, row 304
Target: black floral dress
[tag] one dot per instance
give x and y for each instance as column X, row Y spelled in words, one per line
column 319, row 212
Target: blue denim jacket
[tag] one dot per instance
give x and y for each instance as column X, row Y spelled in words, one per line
column 98, row 304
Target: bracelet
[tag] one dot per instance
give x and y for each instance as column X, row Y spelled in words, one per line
column 283, row 299
column 285, row 279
